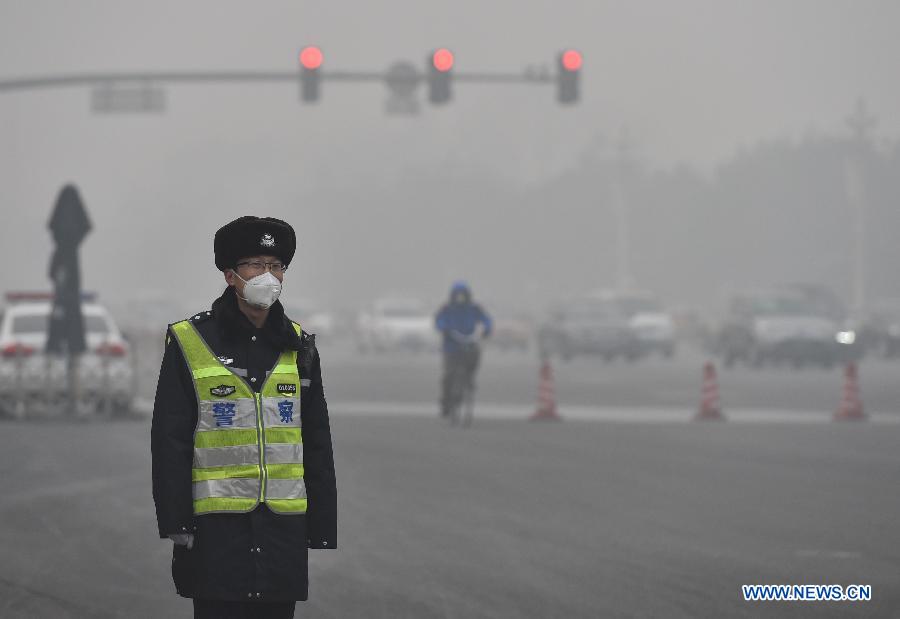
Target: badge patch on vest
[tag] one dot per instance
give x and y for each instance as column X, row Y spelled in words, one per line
column 222, row 390
column 286, row 411
column 224, row 413
column 287, row 388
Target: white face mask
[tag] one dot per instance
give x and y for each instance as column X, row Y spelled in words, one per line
column 260, row 291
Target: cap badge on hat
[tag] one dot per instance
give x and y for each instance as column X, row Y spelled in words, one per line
column 267, row 240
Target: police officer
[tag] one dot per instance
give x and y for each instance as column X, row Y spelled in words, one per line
column 243, row 472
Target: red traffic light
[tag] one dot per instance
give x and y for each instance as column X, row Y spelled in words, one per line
column 442, row 60
column 311, row 58
column 571, row 60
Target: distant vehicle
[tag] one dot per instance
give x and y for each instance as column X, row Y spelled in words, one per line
column 396, row 324
column 691, row 325
column 791, row 325
column 880, row 332
column 32, row 381
column 651, row 324
column 149, row 311
column 511, row 334
column 588, row 326
column 314, row 319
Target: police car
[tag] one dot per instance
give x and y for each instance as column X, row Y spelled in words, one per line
column 33, row 382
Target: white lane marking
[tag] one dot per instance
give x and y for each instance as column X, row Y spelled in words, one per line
column 608, row 414
column 828, row 554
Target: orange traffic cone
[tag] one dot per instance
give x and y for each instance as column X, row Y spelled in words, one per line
column 710, row 407
column 546, row 409
column 851, row 408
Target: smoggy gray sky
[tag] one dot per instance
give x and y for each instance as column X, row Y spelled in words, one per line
column 692, row 81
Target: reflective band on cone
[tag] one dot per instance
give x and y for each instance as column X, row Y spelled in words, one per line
column 851, row 408
column 710, row 406
column 546, row 408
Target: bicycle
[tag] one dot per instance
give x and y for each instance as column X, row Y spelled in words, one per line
column 461, row 386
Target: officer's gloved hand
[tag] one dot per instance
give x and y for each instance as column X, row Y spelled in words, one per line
column 183, row 539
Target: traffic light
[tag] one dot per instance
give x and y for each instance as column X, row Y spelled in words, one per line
column 567, row 72
column 440, row 74
column 310, row 61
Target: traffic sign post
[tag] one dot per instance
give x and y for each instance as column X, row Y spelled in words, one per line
column 402, row 80
column 69, row 224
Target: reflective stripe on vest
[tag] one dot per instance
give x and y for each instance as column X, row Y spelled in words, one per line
column 248, row 447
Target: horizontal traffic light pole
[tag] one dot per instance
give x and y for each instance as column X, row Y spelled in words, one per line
column 94, row 79
column 97, row 79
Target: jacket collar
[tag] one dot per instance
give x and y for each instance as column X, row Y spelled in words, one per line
column 233, row 324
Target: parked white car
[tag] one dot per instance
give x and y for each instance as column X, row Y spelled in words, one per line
column 651, row 324
column 313, row 319
column 396, row 324
column 33, row 381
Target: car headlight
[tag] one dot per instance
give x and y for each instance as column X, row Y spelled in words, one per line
column 845, row 337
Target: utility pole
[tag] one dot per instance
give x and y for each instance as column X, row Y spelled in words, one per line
column 624, row 278
column 860, row 123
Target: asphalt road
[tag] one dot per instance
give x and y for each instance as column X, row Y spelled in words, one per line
column 505, row 519
column 512, row 379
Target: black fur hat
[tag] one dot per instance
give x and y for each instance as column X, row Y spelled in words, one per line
column 253, row 236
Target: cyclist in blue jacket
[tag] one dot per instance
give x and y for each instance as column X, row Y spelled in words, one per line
column 458, row 321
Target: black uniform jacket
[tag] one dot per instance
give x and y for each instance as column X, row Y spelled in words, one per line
column 259, row 555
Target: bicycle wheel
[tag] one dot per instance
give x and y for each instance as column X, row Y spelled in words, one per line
column 467, row 396
column 467, row 406
column 455, row 397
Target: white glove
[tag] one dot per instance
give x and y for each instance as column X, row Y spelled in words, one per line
column 183, row 539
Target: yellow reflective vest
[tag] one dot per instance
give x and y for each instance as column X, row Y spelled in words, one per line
column 248, row 446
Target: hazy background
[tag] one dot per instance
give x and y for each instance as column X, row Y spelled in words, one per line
column 735, row 113
column 734, row 175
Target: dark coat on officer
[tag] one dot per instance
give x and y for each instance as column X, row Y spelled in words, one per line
column 259, row 555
